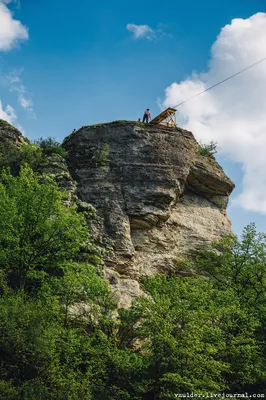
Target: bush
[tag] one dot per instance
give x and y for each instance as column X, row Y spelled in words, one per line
column 50, row 146
column 208, row 149
column 101, row 155
column 33, row 154
column 13, row 157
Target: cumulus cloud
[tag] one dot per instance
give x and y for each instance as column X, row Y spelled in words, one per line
column 146, row 32
column 16, row 85
column 234, row 113
column 141, row 31
column 11, row 30
column 8, row 113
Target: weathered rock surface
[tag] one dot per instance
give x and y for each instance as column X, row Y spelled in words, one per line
column 10, row 135
column 156, row 198
column 55, row 166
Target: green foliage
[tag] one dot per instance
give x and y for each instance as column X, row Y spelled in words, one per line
column 208, row 149
column 3, row 122
column 26, row 140
column 101, row 155
column 9, row 156
column 238, row 267
column 181, row 341
column 13, row 157
column 39, row 358
column 62, row 338
column 50, row 305
column 37, row 232
column 51, row 146
column 117, row 122
column 141, row 124
column 32, row 154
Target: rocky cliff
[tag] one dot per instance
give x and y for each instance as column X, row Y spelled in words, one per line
column 157, row 199
column 10, row 135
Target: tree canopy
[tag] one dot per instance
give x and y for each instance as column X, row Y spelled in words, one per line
column 62, row 337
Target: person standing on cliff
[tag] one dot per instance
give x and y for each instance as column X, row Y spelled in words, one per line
column 147, row 116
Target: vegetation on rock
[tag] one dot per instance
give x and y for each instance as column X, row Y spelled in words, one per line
column 3, row 122
column 101, row 155
column 13, row 157
column 33, row 154
column 208, row 149
column 50, row 146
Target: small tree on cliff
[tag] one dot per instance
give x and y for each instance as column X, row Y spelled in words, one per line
column 208, row 149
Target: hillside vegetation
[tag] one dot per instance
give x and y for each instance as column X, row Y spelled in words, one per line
column 61, row 336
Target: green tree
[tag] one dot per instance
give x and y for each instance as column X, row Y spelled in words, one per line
column 181, row 339
column 56, row 311
column 13, row 157
column 40, row 359
column 239, row 267
column 50, row 146
column 192, row 337
column 37, row 231
column 240, row 264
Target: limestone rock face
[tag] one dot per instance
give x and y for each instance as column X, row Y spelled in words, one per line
column 156, row 198
column 10, row 135
column 56, row 168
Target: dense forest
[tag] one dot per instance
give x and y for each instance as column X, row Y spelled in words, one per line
column 61, row 336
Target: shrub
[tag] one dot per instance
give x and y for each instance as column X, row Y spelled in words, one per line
column 12, row 156
column 208, row 149
column 50, row 146
column 101, row 155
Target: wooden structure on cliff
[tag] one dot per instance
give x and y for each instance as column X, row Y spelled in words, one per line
column 167, row 117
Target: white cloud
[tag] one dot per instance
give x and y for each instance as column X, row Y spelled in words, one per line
column 146, row 32
column 11, row 30
column 233, row 114
column 8, row 114
column 16, row 2
column 16, row 85
column 141, row 31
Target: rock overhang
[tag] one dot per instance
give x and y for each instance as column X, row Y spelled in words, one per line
column 157, row 198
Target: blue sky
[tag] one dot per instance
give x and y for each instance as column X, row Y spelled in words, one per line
column 80, row 65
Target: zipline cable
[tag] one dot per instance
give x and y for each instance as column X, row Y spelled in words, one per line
column 219, row 83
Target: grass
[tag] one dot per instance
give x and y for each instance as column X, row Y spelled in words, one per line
column 117, row 122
